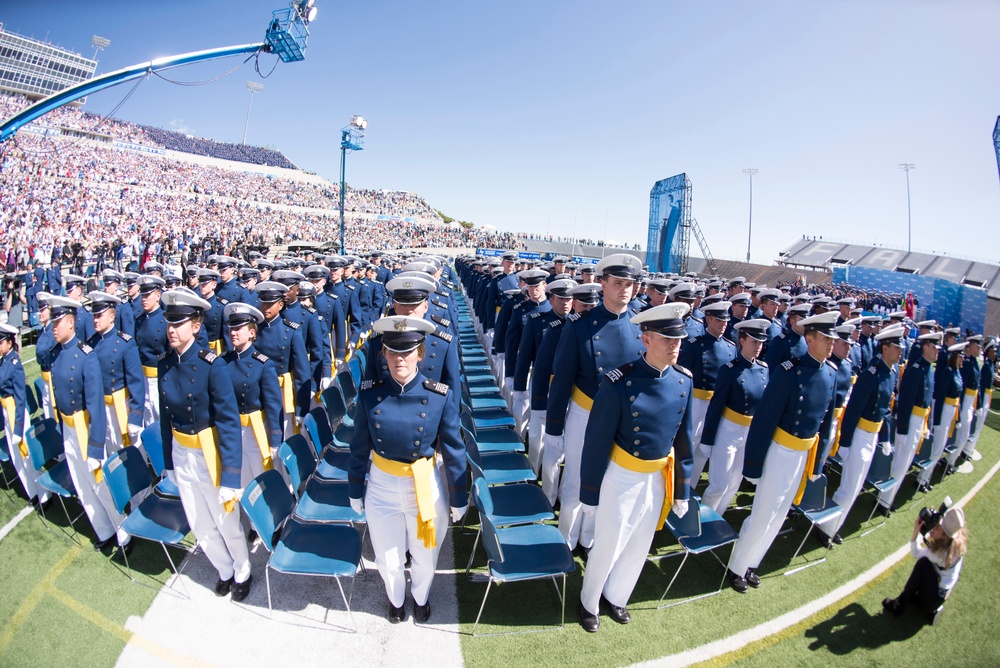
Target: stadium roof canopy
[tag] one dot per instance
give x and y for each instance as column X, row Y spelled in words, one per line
column 816, row 253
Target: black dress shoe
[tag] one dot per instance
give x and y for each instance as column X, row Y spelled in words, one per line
column 409, row 560
column 126, row 549
column 837, row 539
column 242, row 589
column 737, row 582
column 589, row 622
column 101, row 544
column 925, row 487
column 581, row 552
column 616, row 612
column 892, row 606
column 222, row 587
column 822, row 538
column 752, row 578
column 396, row 615
column 252, row 536
column 422, row 613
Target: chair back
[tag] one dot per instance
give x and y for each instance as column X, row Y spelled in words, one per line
column 472, row 448
column 477, row 470
column 491, row 540
column 152, row 443
column 267, row 503
column 336, row 409
column 483, row 497
column 126, row 474
column 317, row 427
column 468, row 421
column 690, row 524
column 298, row 460
column 45, row 442
column 356, row 367
column 881, row 466
column 348, row 386
column 814, row 496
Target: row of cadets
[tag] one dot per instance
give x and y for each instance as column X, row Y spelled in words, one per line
column 782, row 442
column 846, row 373
column 331, row 310
column 738, row 391
column 504, row 280
column 511, row 299
column 202, row 442
column 636, row 462
column 151, row 338
column 44, row 346
column 602, row 340
column 971, row 376
column 547, row 462
column 13, row 398
column 536, row 302
column 306, row 321
column 985, row 392
column 948, row 392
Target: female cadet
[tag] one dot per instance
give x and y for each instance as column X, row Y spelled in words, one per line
column 15, row 412
column 258, row 395
column 202, row 451
column 44, row 347
column 948, row 390
column 400, row 421
column 738, row 390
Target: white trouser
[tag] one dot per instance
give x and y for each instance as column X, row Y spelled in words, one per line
column 981, row 414
column 25, row 471
column 151, row 409
column 536, row 439
column 940, row 440
column 47, row 411
column 902, row 458
column 574, row 527
column 219, row 533
column 520, row 407
column 963, row 428
column 625, row 522
column 698, row 409
column 776, row 489
column 391, row 509
column 498, row 368
column 95, row 498
column 725, row 472
column 113, row 441
column 253, row 462
column 857, row 460
column 507, row 389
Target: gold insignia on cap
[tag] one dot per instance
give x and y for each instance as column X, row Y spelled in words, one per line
column 400, row 325
column 407, row 284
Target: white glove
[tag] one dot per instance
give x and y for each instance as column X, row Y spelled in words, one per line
column 325, row 383
column 586, row 509
column 134, row 431
column 358, row 506
column 337, row 362
column 886, row 448
column 556, row 443
column 680, row 507
column 298, row 421
column 519, row 397
column 169, row 473
column 94, row 464
column 752, row 481
column 456, row 513
column 705, row 450
column 844, row 453
column 227, row 494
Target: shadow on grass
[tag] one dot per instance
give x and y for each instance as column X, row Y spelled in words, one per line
column 853, row 628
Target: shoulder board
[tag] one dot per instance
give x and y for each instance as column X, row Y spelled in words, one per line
column 85, row 348
column 536, row 314
column 683, row 370
column 761, row 362
column 573, row 317
column 697, row 319
column 260, row 357
column 351, row 287
column 787, row 365
column 731, row 364
column 517, row 306
column 222, row 300
column 834, row 366
column 13, row 360
column 333, row 295
column 311, row 310
column 207, row 355
column 124, row 336
column 440, row 388
column 439, row 304
column 781, row 336
column 728, row 341
column 369, row 383
column 692, row 339
column 617, row 374
column 441, row 334
column 873, row 370
column 291, row 323
column 443, row 294
column 444, row 322
column 555, row 323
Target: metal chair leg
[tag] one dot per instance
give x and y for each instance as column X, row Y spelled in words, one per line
column 483, row 605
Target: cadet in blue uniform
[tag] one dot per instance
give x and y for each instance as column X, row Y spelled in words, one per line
column 13, row 397
column 737, row 313
column 781, row 441
column 328, row 306
column 913, row 407
column 229, row 289
column 282, row 341
column 151, row 338
column 202, row 451
column 506, row 280
column 948, row 392
column 636, row 462
column 76, row 375
column 970, row 381
column 840, row 358
column 985, row 394
column 536, row 302
column 703, row 356
column 864, row 426
column 124, row 391
column 75, row 289
column 258, row 396
column 44, row 347
column 401, row 422
column 316, row 332
column 769, row 300
column 511, row 298
column 790, row 343
column 602, row 340
column 738, row 391
column 124, row 317
column 212, row 324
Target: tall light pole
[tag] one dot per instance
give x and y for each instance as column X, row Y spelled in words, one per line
column 908, row 167
column 352, row 138
column 253, row 87
column 750, row 171
column 99, row 43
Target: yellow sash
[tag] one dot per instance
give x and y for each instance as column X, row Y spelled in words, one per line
column 422, row 472
column 838, row 414
column 205, row 441
column 581, row 399
column 782, row 437
column 287, row 392
column 149, row 371
column 703, row 394
column 10, row 408
column 215, row 346
column 952, row 401
column 47, row 377
column 869, row 426
column 255, row 421
column 80, row 423
column 736, row 418
column 117, row 399
column 665, row 465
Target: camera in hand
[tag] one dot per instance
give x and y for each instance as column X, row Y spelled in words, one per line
column 931, row 517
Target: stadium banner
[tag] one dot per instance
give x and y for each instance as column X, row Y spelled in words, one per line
column 666, row 212
column 951, row 304
column 139, row 148
column 497, row 252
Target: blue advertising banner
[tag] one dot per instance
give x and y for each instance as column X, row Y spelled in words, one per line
column 497, row 252
column 666, row 213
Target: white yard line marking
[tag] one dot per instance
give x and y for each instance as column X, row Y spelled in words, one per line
column 7, row 528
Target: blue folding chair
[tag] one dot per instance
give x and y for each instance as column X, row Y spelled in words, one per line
column 301, row 548
column 156, row 518
column 152, row 445
column 700, row 530
column 817, row 508
column 491, row 440
column 4, row 460
column 317, row 429
column 878, row 480
column 491, row 418
column 348, row 384
column 521, row 553
column 318, row 500
column 336, row 409
column 46, row 452
column 499, row 468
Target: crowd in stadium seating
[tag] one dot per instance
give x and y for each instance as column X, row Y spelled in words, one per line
column 555, row 238
column 870, row 300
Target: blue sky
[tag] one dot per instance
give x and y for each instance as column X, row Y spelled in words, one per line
column 559, row 117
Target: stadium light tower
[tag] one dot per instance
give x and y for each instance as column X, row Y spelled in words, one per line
column 750, row 171
column 908, row 167
column 352, row 138
column 99, row 43
column 253, row 87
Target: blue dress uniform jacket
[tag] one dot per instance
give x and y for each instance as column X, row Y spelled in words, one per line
column 787, row 345
column 855, row 355
column 985, row 379
column 495, row 296
column 512, row 338
column 531, row 340
column 544, row 358
column 84, row 324
column 255, row 382
column 196, row 393
column 358, row 309
column 798, row 399
column 645, row 412
column 440, row 362
column 503, row 319
column 232, row 291
column 45, row 348
column 589, row 347
column 213, row 323
column 694, row 327
column 119, row 358
column 845, row 372
column 76, row 377
column 773, row 331
column 867, row 350
column 283, row 343
column 12, row 385
column 406, row 423
column 125, row 318
column 947, row 384
column 916, row 389
column 704, row 356
column 317, row 344
column 151, row 337
column 439, row 313
column 971, row 374
column 870, row 400
column 739, row 387
column 328, row 306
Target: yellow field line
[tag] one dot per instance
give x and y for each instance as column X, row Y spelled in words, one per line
column 32, row 600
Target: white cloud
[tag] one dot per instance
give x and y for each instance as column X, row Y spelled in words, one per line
column 178, row 125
